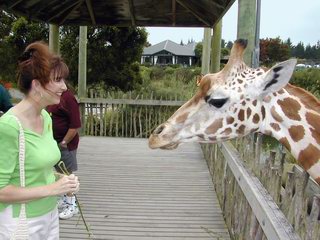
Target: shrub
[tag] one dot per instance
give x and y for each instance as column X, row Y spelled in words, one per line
column 308, row 79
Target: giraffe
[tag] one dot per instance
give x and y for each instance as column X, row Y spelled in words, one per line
column 240, row 100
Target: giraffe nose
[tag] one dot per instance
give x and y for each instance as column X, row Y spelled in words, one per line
column 159, row 129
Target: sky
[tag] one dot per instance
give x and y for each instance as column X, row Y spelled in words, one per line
column 294, row 19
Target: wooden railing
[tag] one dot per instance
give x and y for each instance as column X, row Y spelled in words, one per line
column 125, row 116
column 263, row 197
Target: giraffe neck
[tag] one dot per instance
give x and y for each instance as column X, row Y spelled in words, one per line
column 294, row 120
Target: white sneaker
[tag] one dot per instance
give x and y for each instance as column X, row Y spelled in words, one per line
column 62, row 203
column 69, row 211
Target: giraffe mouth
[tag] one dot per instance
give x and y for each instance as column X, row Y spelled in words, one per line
column 156, row 142
column 170, row 146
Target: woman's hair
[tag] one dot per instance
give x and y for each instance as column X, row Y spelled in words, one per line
column 37, row 62
column 59, row 67
column 34, row 63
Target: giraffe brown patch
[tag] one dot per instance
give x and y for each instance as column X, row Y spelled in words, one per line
column 253, row 130
column 254, row 103
column 243, row 103
column 248, row 112
column 213, row 139
column 241, row 129
column 318, row 180
column 310, row 101
column 213, row 128
column 201, row 136
column 296, row 132
column 275, row 115
column 241, row 115
column 281, row 91
column 205, row 85
column 227, row 131
column 182, row 118
column 256, row 118
column 315, row 135
column 263, row 112
column 309, row 156
column 230, row 120
column 313, row 120
column 268, row 132
column 290, row 108
column 240, row 81
column 284, row 141
column 275, row 126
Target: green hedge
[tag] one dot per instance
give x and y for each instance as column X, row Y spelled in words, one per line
column 308, row 79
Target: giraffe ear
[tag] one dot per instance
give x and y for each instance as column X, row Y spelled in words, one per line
column 276, row 78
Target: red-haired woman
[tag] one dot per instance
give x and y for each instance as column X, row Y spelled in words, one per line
column 39, row 78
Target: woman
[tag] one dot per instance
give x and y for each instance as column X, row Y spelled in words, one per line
column 39, row 78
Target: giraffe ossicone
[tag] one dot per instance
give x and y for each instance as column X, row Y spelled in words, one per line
column 240, row 100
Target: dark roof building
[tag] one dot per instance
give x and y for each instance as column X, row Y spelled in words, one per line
column 169, row 52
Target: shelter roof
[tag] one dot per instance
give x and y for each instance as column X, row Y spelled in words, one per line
column 172, row 47
column 176, row 13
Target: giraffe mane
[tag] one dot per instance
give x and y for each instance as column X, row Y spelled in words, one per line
column 306, row 98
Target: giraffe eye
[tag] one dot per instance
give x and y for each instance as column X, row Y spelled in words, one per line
column 218, row 103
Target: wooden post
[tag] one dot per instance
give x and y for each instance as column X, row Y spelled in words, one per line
column 82, row 73
column 216, row 48
column 247, row 26
column 54, row 38
column 206, row 51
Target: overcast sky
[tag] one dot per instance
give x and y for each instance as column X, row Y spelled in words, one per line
column 297, row 19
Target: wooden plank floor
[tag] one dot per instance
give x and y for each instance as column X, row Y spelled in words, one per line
column 131, row 192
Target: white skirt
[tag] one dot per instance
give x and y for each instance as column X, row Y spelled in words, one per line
column 40, row 228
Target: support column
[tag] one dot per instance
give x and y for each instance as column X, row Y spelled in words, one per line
column 216, row 48
column 82, row 73
column 247, row 26
column 190, row 61
column 173, row 58
column 54, row 38
column 206, row 51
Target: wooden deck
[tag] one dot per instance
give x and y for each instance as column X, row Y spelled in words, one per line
column 130, row 192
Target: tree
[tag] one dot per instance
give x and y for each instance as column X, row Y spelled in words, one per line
column 112, row 53
column 198, row 52
column 15, row 34
column 229, row 45
column 298, row 51
column 273, row 50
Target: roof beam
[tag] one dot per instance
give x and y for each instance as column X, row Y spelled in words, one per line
column 14, row 3
column 195, row 11
column 90, row 10
column 133, row 18
column 64, row 8
column 67, row 14
column 174, row 8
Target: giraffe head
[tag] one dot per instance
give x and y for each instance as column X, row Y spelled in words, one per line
column 228, row 104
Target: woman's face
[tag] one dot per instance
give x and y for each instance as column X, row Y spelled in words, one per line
column 54, row 89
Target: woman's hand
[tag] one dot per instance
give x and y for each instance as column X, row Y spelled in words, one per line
column 66, row 184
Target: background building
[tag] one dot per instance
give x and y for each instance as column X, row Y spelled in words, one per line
column 169, row 52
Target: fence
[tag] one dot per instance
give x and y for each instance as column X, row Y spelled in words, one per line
column 287, row 192
column 126, row 115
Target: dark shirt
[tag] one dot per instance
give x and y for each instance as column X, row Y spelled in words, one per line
column 5, row 102
column 65, row 115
